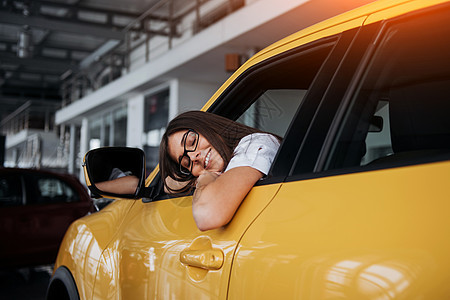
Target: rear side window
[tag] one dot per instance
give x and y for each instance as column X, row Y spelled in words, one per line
column 53, row 190
column 400, row 114
column 11, row 190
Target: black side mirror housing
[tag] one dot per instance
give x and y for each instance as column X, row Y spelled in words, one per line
column 109, row 163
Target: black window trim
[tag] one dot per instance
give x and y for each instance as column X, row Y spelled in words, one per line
column 347, row 98
column 384, row 31
column 325, row 119
column 301, row 125
column 318, row 171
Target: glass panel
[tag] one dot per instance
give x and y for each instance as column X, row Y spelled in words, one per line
column 273, row 110
column 53, row 190
column 156, row 110
column 269, row 97
column 156, row 118
column 378, row 140
column 272, row 94
column 95, row 133
column 120, row 127
column 400, row 114
column 10, row 191
column 108, row 131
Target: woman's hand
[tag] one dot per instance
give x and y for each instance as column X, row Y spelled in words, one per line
column 217, row 198
column 206, row 178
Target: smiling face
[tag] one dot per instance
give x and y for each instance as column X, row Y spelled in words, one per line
column 204, row 157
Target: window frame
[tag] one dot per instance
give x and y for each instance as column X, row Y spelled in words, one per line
column 225, row 105
column 332, row 106
column 377, row 31
column 300, row 123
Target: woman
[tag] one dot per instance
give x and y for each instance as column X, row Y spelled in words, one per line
column 220, row 158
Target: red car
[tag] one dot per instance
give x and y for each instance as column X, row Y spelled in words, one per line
column 36, row 208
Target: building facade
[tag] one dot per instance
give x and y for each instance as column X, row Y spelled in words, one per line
column 165, row 75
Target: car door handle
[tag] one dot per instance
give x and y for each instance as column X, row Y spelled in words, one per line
column 211, row 259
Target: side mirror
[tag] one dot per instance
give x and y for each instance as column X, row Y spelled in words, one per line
column 115, row 172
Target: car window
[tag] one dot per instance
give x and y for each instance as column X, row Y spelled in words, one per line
column 400, row 114
column 281, row 95
column 273, row 110
column 10, row 190
column 54, row 190
column 268, row 95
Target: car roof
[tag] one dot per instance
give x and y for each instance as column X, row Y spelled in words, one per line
column 73, row 180
column 385, row 9
column 66, row 176
column 32, row 170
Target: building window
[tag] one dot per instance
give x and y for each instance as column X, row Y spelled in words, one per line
column 120, row 127
column 156, row 118
column 95, row 128
column 109, row 129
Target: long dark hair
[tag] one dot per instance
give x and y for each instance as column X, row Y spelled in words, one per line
column 222, row 133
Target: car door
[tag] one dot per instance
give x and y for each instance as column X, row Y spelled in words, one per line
column 158, row 252
column 52, row 205
column 365, row 211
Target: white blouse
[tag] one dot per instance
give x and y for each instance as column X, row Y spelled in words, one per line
column 256, row 150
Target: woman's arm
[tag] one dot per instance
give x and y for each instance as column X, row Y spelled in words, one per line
column 217, row 198
column 122, row 185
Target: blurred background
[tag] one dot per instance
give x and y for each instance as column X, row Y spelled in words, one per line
column 81, row 74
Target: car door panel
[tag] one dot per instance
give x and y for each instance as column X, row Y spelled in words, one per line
column 147, row 253
column 89, row 236
column 160, row 253
column 341, row 237
column 52, row 205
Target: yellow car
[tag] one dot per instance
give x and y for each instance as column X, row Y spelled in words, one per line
column 357, row 204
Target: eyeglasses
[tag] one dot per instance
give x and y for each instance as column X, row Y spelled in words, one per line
column 190, row 142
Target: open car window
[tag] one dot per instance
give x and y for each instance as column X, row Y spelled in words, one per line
column 273, row 110
column 270, row 95
column 267, row 96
